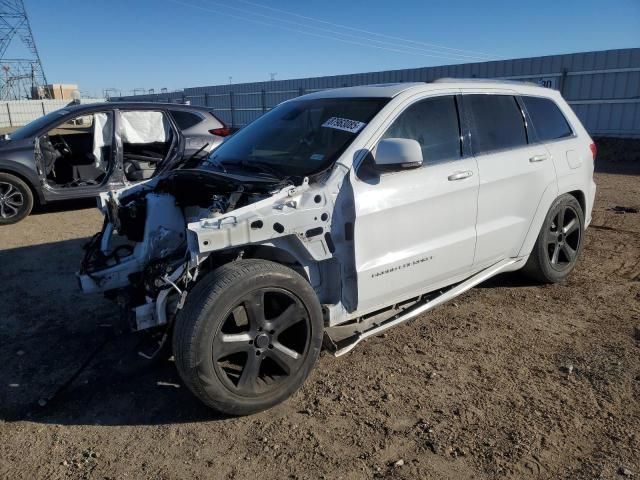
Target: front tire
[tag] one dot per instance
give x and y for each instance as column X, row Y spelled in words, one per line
column 16, row 199
column 248, row 336
column 559, row 242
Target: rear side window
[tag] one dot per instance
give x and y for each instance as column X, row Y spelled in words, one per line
column 548, row 121
column 498, row 123
column 434, row 124
column 185, row 120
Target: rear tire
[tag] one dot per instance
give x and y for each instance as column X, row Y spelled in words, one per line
column 248, row 336
column 559, row 242
column 16, row 199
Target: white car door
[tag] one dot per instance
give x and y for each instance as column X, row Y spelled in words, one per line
column 415, row 228
column 514, row 175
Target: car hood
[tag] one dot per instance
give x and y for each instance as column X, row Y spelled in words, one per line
column 10, row 144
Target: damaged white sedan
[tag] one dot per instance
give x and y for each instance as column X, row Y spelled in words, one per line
column 336, row 216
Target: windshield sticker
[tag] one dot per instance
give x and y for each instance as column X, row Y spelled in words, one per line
column 316, row 157
column 345, row 124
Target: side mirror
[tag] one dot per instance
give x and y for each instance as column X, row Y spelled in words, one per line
column 399, row 153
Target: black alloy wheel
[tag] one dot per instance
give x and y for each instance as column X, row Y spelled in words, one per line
column 262, row 341
column 564, row 237
column 559, row 242
column 248, row 336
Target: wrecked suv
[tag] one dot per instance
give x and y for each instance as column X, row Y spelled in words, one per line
column 82, row 150
column 335, row 216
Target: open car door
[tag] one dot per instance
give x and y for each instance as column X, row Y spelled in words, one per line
column 150, row 143
column 75, row 157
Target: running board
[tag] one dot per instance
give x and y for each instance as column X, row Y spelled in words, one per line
column 414, row 312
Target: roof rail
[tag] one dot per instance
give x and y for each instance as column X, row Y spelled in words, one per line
column 484, row 80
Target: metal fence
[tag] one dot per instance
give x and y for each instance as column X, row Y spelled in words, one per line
column 602, row 87
column 16, row 113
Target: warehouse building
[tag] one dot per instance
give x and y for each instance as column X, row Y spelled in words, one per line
column 602, row 87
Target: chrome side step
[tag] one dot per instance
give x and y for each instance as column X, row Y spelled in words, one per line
column 414, row 312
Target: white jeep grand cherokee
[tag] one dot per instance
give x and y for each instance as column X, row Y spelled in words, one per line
column 337, row 215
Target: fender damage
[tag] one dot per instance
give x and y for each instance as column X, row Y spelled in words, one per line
column 159, row 236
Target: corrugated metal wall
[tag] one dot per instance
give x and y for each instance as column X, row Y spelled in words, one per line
column 602, row 87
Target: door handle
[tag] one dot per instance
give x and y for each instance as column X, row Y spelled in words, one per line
column 538, row 158
column 460, row 175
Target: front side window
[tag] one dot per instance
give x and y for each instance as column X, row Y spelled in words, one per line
column 297, row 138
column 78, row 152
column 434, row 124
column 497, row 123
column 548, row 121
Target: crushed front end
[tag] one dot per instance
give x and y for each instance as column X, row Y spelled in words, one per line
column 158, row 237
column 142, row 257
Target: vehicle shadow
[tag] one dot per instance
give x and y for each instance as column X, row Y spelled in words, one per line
column 67, row 360
column 65, row 357
column 621, row 167
column 509, row 280
column 618, row 155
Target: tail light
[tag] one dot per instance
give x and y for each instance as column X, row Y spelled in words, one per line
column 221, row 132
column 594, row 150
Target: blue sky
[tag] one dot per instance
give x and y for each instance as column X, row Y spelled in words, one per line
column 128, row 44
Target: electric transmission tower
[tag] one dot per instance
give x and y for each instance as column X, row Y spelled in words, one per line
column 21, row 73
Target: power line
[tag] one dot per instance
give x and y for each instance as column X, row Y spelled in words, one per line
column 416, row 42
column 460, row 56
column 303, row 32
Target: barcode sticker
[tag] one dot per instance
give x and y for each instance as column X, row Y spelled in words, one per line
column 345, row 124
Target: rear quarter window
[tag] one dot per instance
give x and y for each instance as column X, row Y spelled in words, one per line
column 548, row 120
column 498, row 123
column 184, row 119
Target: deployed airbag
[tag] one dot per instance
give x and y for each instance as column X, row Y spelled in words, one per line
column 102, row 134
column 144, row 127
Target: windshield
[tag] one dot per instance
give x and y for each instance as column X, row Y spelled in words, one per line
column 30, row 129
column 297, row 138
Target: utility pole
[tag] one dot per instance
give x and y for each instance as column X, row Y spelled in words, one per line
column 24, row 77
column 272, row 76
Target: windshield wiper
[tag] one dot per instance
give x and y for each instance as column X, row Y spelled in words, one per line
column 187, row 161
column 263, row 167
column 215, row 164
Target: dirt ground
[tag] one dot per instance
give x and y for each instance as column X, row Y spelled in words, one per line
column 511, row 380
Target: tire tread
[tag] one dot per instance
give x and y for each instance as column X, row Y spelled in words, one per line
column 189, row 323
